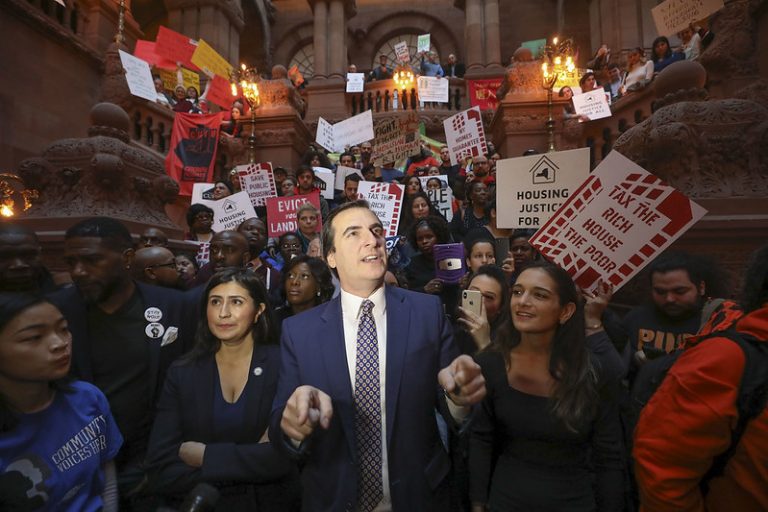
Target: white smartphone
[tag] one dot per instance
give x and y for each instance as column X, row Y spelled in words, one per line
column 472, row 300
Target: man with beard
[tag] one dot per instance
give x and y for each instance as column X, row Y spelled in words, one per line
column 21, row 269
column 125, row 334
column 157, row 266
column 679, row 287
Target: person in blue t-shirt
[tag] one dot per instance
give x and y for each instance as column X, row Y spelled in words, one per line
column 57, row 438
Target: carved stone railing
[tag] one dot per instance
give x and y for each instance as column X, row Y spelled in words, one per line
column 151, row 124
column 68, row 17
column 384, row 96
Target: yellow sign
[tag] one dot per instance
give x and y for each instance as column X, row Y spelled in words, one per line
column 210, row 62
column 171, row 79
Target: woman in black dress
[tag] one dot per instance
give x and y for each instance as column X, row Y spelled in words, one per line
column 547, row 437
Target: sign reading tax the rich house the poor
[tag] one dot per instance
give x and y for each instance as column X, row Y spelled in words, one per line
column 534, row 187
column 386, row 201
column 615, row 223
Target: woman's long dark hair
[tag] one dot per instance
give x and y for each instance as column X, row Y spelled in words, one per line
column 11, row 306
column 320, row 272
column 575, row 399
column 264, row 330
column 406, row 216
column 661, row 39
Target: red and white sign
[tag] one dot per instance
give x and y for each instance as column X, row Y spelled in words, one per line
column 482, row 93
column 386, row 201
column 281, row 213
column 258, row 181
column 592, row 104
column 464, row 135
column 612, row 226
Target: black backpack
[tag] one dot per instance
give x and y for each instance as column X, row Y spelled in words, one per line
column 753, row 390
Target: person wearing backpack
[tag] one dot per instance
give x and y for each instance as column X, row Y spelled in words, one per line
column 702, row 440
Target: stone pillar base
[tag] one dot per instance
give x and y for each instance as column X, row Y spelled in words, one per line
column 325, row 98
column 281, row 137
column 520, row 124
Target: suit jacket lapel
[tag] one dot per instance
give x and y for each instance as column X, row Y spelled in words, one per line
column 398, row 327
column 337, row 369
column 207, row 383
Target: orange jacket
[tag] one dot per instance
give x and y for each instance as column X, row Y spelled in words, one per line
column 689, row 421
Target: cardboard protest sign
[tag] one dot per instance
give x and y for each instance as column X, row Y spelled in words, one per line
column 401, row 52
column 592, row 104
column 175, row 47
column 145, row 50
column 138, row 76
column 422, row 43
column 355, row 82
column 258, row 181
column 465, row 135
column 324, row 180
column 433, row 88
column 672, row 16
column 341, row 174
column 482, row 93
column 220, row 92
column 295, row 75
column 192, row 150
column 349, row 132
column 188, row 79
column 229, row 212
column 203, row 253
column 396, row 137
column 210, row 62
column 442, row 200
column 386, row 201
column 535, row 187
column 615, row 223
column 202, row 193
column 281, row 213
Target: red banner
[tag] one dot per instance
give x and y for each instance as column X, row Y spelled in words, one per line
column 175, row 47
column 482, row 93
column 192, row 152
column 145, row 50
column 281, row 213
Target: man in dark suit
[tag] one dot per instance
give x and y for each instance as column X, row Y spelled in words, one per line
column 358, row 384
column 454, row 69
column 125, row 334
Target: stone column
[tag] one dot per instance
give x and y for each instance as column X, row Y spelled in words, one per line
column 492, row 37
column 338, row 31
column 218, row 23
column 320, row 39
column 473, row 33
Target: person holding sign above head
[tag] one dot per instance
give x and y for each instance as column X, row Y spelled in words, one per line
column 548, row 436
column 357, row 404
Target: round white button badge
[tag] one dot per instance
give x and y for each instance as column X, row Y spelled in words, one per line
column 257, row 371
column 153, row 314
column 154, row 330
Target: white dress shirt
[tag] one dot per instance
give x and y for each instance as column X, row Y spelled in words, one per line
column 350, row 312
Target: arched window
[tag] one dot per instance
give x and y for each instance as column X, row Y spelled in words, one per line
column 388, row 49
column 304, row 58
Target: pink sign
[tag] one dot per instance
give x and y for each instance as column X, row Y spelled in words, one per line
column 615, row 223
column 175, row 47
column 281, row 213
column 145, row 50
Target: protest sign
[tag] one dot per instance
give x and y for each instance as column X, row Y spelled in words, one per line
column 672, row 16
column 175, row 47
column 433, row 88
column 341, row 174
column 349, row 132
column 615, row 223
column 535, row 186
column 220, row 92
column 396, row 137
column 401, row 52
column 324, row 180
column 188, row 79
column 229, row 212
column 385, row 200
column 210, row 62
column 192, row 151
column 592, row 104
column 355, row 82
column 202, row 193
column 203, row 253
column 295, row 75
column 422, row 43
column 281, row 213
column 536, row 46
column 441, row 198
column 465, row 135
column 258, row 181
column 145, row 50
column 138, row 76
column 482, row 93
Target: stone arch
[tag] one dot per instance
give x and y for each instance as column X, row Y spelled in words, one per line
column 409, row 22
column 295, row 38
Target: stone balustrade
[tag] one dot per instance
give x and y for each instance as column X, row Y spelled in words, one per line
column 151, row 124
column 384, row 96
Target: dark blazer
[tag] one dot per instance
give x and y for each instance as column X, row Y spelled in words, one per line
column 419, row 344
column 163, row 351
column 185, row 413
column 458, row 70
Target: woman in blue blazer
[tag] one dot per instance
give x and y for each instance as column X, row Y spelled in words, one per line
column 212, row 417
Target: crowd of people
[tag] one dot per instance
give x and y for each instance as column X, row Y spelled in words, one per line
column 337, row 370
